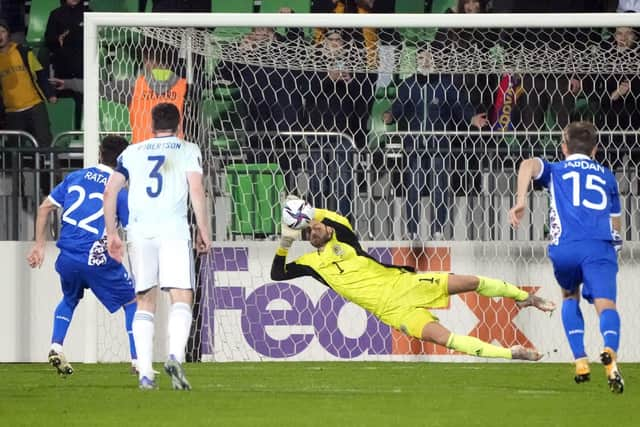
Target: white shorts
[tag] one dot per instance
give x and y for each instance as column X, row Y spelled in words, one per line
column 164, row 263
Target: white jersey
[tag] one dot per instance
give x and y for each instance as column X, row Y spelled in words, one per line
column 158, row 189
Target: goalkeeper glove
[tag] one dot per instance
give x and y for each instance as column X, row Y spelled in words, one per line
column 289, row 235
column 616, row 241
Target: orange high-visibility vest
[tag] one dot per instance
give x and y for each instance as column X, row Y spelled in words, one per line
column 143, row 101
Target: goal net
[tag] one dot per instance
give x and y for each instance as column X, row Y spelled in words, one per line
column 412, row 126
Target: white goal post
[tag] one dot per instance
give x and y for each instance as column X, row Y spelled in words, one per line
column 242, row 315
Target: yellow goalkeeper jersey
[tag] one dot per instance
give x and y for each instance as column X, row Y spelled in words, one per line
column 344, row 266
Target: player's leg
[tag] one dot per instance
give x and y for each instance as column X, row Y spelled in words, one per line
column 179, row 280
column 143, row 258
column 573, row 323
column 114, row 289
column 143, row 328
column 73, row 291
column 436, row 333
column 600, row 272
column 129, row 314
column 568, row 273
column 489, row 287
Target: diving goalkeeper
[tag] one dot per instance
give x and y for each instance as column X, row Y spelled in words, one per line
column 398, row 296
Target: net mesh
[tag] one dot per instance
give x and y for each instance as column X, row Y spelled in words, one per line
column 415, row 136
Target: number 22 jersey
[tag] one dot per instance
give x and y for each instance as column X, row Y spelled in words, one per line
column 79, row 196
column 158, row 188
column 584, row 197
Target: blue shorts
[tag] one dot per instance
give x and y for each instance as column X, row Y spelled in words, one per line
column 593, row 263
column 110, row 283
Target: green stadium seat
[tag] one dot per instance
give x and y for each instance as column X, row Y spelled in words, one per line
column 409, row 6
column 232, row 6
column 114, row 117
column 62, row 115
column 273, row 6
column 382, row 102
column 256, row 191
column 441, row 6
column 117, row 5
column 38, row 17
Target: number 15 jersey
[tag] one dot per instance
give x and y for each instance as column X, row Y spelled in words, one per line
column 158, row 188
column 584, row 197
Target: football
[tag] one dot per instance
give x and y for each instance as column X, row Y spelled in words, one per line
column 297, row 214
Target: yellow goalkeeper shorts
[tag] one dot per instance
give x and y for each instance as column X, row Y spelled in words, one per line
column 407, row 307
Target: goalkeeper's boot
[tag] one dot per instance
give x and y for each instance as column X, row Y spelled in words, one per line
column 174, row 369
column 520, row 352
column 608, row 359
column 537, row 302
column 583, row 373
column 147, row 383
column 58, row 361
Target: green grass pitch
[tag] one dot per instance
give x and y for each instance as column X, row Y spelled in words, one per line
column 321, row 394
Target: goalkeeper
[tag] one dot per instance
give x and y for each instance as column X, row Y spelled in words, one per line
column 398, row 296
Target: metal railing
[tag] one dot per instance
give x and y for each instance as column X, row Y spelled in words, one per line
column 28, row 172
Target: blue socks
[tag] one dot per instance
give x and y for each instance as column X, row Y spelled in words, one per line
column 129, row 312
column 61, row 321
column 574, row 326
column 610, row 328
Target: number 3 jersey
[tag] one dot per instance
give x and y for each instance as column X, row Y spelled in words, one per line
column 584, row 197
column 158, row 189
column 79, row 196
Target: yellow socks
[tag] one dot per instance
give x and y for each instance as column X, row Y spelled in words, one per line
column 499, row 288
column 476, row 347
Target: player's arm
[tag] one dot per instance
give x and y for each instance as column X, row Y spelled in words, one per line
column 529, row 169
column 615, row 215
column 36, row 254
column 198, row 201
column 116, row 182
column 280, row 269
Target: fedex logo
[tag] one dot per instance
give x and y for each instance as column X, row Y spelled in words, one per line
column 306, row 321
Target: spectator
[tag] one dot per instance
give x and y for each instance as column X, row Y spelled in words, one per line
column 24, row 87
column 338, row 100
column 463, row 38
column 155, row 84
column 12, row 11
column 628, row 6
column 367, row 37
column 431, row 102
column 65, row 40
column 618, row 96
column 270, row 96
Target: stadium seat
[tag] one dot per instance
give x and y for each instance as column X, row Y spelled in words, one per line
column 382, row 102
column 62, row 115
column 114, row 117
column 273, row 6
column 256, row 191
column 232, row 6
column 410, row 6
column 440, row 6
column 38, row 17
column 117, row 5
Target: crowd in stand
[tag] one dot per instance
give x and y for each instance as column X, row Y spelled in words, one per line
column 338, row 98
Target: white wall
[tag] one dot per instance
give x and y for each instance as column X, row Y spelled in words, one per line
column 30, row 297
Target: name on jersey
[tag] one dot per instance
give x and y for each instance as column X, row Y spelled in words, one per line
column 584, row 164
column 97, row 177
column 156, row 145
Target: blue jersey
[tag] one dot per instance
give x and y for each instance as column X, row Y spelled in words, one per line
column 584, row 197
column 79, row 195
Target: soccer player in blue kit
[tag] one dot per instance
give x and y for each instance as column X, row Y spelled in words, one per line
column 585, row 232
column 83, row 262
